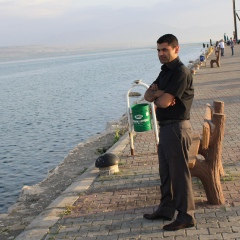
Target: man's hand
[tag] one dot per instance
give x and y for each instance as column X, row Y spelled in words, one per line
column 154, row 87
column 164, row 101
column 153, row 93
column 173, row 102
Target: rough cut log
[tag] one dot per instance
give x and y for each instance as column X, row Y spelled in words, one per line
column 219, row 108
column 210, row 170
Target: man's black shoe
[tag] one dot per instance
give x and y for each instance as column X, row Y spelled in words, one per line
column 174, row 226
column 155, row 216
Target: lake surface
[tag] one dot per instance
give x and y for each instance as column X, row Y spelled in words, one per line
column 50, row 104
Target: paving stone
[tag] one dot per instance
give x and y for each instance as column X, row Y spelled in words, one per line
column 212, row 237
column 230, row 236
column 225, row 229
column 186, row 238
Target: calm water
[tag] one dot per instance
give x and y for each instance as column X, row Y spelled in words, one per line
column 49, row 105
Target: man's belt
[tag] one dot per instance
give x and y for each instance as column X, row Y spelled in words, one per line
column 166, row 122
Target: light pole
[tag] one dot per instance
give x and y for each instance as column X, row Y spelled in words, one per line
column 235, row 22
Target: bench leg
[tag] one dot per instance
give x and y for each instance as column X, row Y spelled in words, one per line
column 211, row 182
column 212, row 61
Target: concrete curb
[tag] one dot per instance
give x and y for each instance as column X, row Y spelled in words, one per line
column 39, row 227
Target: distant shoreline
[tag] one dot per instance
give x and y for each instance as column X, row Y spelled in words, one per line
column 36, row 52
column 32, row 52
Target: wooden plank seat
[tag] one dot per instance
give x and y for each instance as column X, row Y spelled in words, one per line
column 205, row 154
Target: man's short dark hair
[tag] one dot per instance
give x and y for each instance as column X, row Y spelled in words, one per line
column 169, row 39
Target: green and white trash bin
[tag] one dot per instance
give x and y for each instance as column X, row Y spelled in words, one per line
column 141, row 116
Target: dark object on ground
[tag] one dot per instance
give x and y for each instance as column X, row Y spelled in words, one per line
column 106, row 160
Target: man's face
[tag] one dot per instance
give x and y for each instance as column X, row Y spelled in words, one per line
column 166, row 53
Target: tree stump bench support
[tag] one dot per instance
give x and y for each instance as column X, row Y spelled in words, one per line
column 205, row 154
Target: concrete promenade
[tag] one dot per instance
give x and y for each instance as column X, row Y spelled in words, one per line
column 111, row 207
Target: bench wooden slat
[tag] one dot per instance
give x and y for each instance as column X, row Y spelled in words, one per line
column 208, row 112
column 193, row 151
column 206, row 135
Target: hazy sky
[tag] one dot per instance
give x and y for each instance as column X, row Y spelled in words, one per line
column 113, row 22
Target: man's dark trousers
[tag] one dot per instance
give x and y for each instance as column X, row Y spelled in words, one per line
column 176, row 184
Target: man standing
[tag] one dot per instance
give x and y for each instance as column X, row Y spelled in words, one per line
column 221, row 45
column 232, row 46
column 172, row 92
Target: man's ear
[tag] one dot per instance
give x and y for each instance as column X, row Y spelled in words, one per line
column 177, row 49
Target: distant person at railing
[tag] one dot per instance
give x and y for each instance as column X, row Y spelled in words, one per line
column 232, row 43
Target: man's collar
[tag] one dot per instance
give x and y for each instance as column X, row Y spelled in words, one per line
column 171, row 65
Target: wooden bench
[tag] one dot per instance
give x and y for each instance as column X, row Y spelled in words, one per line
column 205, row 154
column 217, row 60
